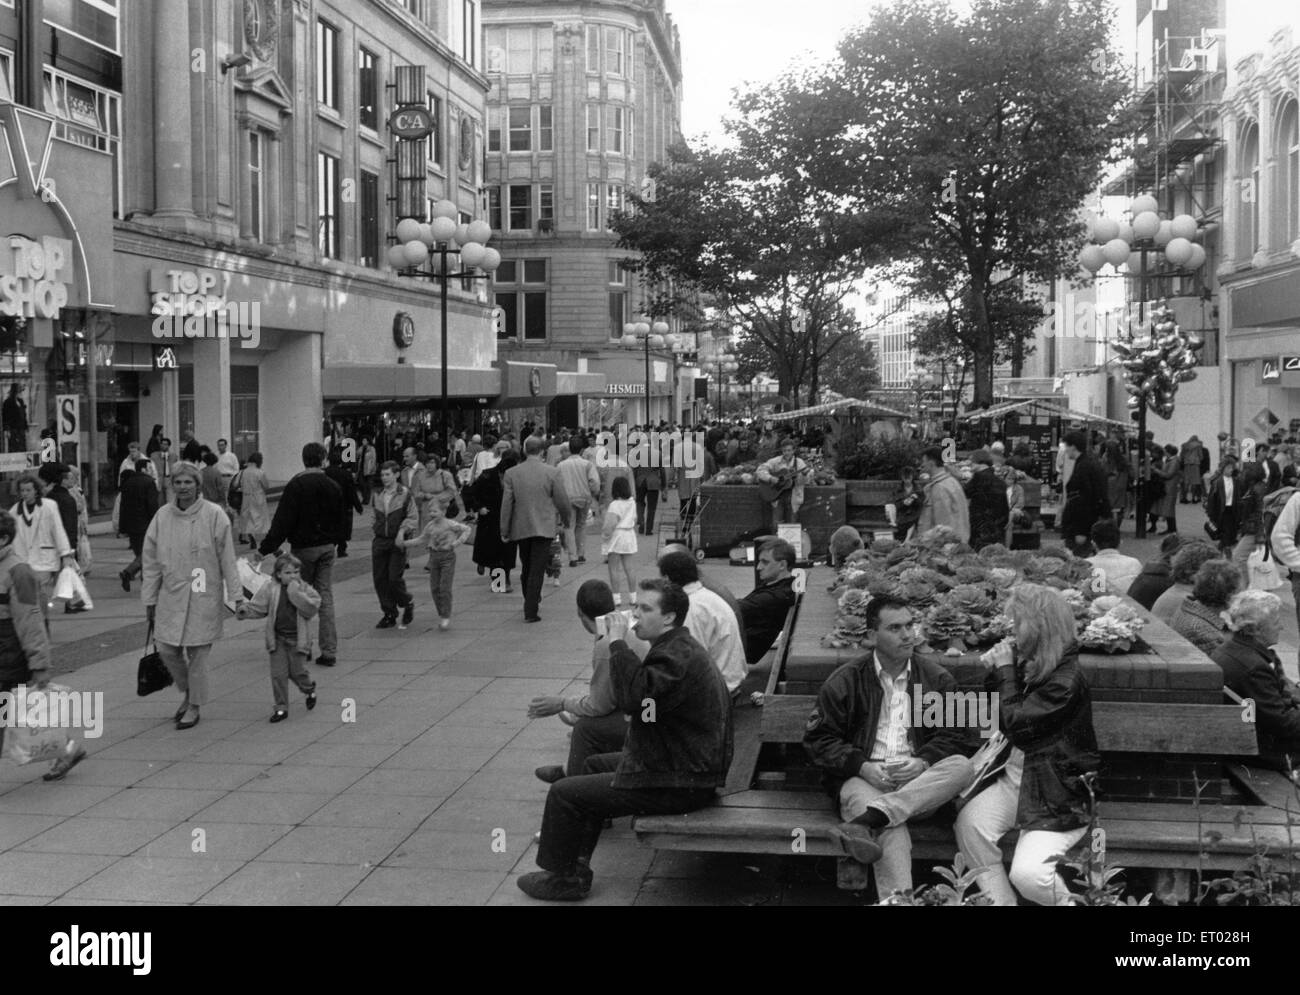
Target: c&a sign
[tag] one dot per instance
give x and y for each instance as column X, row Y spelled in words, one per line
column 34, row 276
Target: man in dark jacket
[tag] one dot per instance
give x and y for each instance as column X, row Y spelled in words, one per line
column 1085, row 493
column 52, row 476
column 351, row 502
column 883, row 769
column 1251, row 669
column 1156, row 576
column 308, row 517
column 765, row 607
column 677, row 751
column 139, row 503
column 989, row 512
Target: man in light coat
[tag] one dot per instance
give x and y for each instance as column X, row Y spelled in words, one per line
column 534, row 508
column 945, row 501
column 581, row 486
column 189, row 556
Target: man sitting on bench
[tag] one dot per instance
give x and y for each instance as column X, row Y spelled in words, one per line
column 763, row 609
column 884, row 770
column 710, row 619
column 677, row 751
column 1251, row 669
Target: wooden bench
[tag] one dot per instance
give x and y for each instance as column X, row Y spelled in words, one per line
column 784, row 811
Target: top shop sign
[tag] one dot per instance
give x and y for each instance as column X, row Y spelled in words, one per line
column 34, row 276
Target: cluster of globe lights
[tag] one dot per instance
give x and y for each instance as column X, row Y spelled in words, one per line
column 724, row 362
column 1111, row 241
column 416, row 239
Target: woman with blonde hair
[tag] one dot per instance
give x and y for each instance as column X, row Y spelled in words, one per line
column 1029, row 774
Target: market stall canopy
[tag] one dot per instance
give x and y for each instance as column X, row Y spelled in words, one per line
column 868, row 408
column 1041, row 407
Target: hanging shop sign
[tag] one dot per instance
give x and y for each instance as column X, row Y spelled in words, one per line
column 34, row 276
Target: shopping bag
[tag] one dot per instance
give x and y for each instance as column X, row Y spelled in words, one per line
column 85, row 556
column 1264, row 574
column 25, row 744
column 152, row 674
column 71, row 587
column 251, row 579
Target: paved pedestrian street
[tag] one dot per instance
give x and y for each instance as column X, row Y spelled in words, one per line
column 410, row 783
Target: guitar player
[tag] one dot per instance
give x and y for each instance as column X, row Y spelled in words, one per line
column 781, row 481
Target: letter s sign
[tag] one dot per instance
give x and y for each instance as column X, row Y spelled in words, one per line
column 68, row 410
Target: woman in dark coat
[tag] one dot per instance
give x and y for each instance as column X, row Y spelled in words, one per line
column 486, row 493
column 1166, row 506
column 139, row 505
column 1033, row 778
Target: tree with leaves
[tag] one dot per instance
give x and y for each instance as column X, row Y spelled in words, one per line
column 744, row 229
column 971, row 138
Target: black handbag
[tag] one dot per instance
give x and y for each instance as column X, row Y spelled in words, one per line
column 152, row 674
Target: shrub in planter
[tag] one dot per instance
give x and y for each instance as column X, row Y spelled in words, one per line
column 879, row 459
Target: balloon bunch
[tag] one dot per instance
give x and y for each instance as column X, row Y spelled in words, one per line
column 1157, row 360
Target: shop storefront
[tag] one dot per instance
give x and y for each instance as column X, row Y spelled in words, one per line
column 624, row 400
column 57, row 295
column 1263, row 355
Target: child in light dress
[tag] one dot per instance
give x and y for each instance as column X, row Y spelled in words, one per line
column 618, row 539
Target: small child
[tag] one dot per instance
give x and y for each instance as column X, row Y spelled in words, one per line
column 287, row 603
column 442, row 535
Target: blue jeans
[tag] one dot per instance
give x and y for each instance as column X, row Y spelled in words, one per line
column 317, row 562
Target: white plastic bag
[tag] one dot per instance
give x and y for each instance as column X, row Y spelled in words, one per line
column 251, row 580
column 1264, row 574
column 71, row 587
column 25, row 745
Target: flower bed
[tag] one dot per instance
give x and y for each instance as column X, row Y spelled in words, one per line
column 960, row 593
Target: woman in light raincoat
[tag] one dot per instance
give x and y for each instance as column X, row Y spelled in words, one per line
column 189, row 566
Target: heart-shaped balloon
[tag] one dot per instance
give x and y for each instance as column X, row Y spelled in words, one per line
column 1195, row 341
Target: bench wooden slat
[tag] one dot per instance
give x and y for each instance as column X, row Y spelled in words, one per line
column 1162, row 727
column 1270, row 787
column 1121, row 726
column 746, row 723
column 800, row 800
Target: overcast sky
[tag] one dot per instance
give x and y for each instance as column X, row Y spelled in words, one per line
column 726, row 43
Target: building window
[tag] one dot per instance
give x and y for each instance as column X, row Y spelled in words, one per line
column 545, row 207
column 593, row 207
column 627, row 58
column 593, row 48
column 618, row 314
column 465, row 30
column 419, row 8
column 545, row 50
column 521, row 129
column 327, row 61
column 368, row 89
column 6, row 77
column 327, row 199
column 88, row 115
column 369, row 219
column 593, row 127
column 630, row 116
column 519, row 51
column 256, row 185
column 494, row 208
column 521, row 291
column 613, row 202
column 614, row 51
column 521, row 207
column 1248, row 235
column 494, row 129
column 614, row 130
column 435, row 137
column 95, row 21
column 545, row 132
column 1289, row 201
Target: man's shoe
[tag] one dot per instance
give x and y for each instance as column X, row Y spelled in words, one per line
column 311, row 699
column 582, row 559
column 77, row 609
column 555, row 887
column 550, row 773
column 387, row 622
column 408, row 613
column 535, row 618
column 279, row 715
column 857, row 841
column 573, row 563
column 445, row 624
column 325, row 661
column 65, row 763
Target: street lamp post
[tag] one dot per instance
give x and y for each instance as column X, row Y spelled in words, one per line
column 419, row 243
column 642, row 335
column 1117, row 243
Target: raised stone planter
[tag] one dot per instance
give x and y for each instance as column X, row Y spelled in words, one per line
column 732, row 510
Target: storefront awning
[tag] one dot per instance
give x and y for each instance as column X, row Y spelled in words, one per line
column 369, row 383
column 868, row 409
column 1040, row 407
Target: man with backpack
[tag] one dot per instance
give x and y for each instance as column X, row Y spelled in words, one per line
column 1282, row 525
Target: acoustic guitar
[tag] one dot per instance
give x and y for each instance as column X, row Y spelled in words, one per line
column 770, row 492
